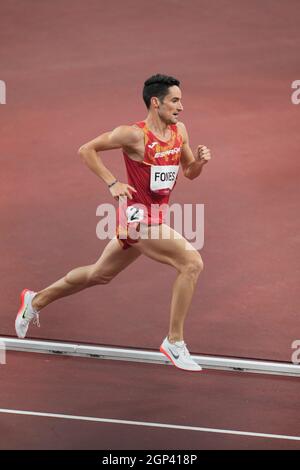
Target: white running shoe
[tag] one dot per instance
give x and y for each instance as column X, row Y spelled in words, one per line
column 26, row 313
column 179, row 355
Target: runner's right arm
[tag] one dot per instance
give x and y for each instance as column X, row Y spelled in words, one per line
column 122, row 136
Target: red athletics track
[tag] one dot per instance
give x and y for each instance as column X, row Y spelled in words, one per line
column 75, row 69
column 142, row 393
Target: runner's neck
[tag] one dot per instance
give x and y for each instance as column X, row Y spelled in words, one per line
column 159, row 129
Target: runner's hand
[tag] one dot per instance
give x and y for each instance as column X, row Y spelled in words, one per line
column 121, row 189
column 203, row 154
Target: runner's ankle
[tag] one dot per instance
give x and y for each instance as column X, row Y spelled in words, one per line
column 35, row 304
column 174, row 338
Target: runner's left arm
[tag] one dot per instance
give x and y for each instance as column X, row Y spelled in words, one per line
column 116, row 139
column 192, row 164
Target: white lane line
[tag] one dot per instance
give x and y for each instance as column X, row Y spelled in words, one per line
column 147, row 424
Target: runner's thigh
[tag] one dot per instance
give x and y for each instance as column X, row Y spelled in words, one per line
column 113, row 260
column 169, row 247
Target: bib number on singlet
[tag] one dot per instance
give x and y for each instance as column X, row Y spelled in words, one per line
column 163, row 176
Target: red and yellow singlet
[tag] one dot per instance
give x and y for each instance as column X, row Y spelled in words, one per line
column 154, row 178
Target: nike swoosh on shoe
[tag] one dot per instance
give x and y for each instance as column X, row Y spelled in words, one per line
column 176, row 356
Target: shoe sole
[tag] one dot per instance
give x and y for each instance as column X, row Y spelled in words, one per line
column 22, row 297
column 162, row 350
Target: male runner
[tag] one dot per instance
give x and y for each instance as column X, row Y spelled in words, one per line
column 152, row 150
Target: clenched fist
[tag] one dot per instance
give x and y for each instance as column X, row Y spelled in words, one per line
column 203, row 154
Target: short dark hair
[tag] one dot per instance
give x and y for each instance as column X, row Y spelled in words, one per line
column 158, row 85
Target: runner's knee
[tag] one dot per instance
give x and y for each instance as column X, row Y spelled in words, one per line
column 193, row 266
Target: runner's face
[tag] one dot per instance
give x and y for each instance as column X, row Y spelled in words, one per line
column 171, row 106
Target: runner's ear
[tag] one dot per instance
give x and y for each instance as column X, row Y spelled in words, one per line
column 155, row 102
